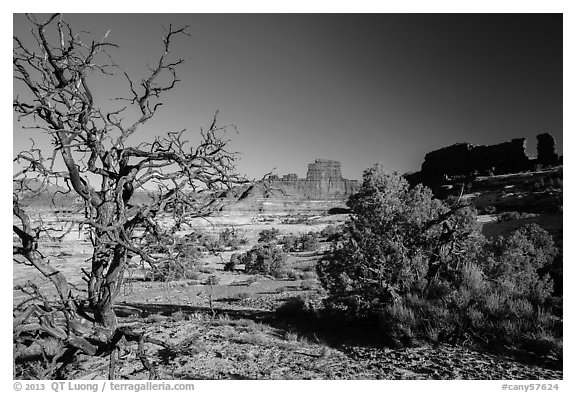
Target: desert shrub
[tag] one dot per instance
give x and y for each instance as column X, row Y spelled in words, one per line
column 172, row 270
column 178, row 315
column 509, row 216
column 257, row 338
column 193, row 275
column 489, row 209
column 308, row 284
column 294, row 307
column 230, row 238
column 289, row 243
column 185, row 253
column 212, row 280
column 195, row 240
column 553, row 182
column 331, row 232
column 264, row 258
column 207, row 270
column 515, row 262
column 231, row 265
column 476, row 309
column 557, row 183
column 268, row 235
column 212, row 243
column 514, row 215
column 307, row 275
column 291, row 336
column 298, row 219
column 243, row 295
column 308, row 267
column 426, row 272
column 394, row 234
column 188, row 249
column 292, row 274
column 280, row 274
column 309, row 241
column 305, row 242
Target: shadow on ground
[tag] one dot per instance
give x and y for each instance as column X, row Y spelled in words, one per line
column 331, row 330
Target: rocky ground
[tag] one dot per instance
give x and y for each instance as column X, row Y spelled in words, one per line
column 230, row 329
column 227, row 348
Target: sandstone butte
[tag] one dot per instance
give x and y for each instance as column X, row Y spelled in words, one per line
column 323, row 182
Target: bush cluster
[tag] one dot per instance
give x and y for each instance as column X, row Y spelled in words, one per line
column 305, row 242
column 332, row 232
column 185, row 255
column 268, row 235
column 263, row 258
column 230, row 239
column 514, row 215
column 426, row 272
column 186, row 252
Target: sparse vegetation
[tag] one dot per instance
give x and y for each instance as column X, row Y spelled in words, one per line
column 120, row 274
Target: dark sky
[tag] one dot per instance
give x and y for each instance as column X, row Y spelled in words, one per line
column 359, row 88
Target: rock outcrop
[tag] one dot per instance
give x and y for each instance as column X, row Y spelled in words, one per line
column 546, row 149
column 464, row 161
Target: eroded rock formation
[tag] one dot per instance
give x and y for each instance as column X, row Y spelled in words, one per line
column 464, row 161
column 323, row 181
column 546, row 149
column 323, row 186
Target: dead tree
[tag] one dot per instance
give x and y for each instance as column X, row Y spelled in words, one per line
column 91, row 155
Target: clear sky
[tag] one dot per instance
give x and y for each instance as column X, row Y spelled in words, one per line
column 359, row 88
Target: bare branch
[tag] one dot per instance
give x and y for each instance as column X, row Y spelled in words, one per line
column 91, row 158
